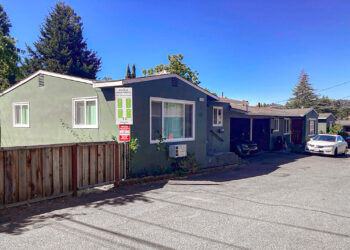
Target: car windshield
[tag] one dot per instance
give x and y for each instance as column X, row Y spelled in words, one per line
column 325, row 138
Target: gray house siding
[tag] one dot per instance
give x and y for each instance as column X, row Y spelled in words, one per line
column 310, row 116
column 275, row 135
column 148, row 159
column 214, row 133
column 325, row 124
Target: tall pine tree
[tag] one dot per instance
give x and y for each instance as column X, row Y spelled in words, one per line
column 304, row 95
column 128, row 73
column 133, row 71
column 9, row 54
column 61, row 47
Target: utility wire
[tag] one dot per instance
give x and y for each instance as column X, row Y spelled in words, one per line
column 321, row 90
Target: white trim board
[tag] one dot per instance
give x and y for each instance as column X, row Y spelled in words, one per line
column 44, row 72
column 162, row 100
column 278, row 123
column 222, row 116
column 84, row 99
column 150, row 78
column 20, row 125
column 290, row 126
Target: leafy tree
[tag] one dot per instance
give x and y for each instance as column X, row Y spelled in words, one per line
column 9, row 54
column 175, row 66
column 343, row 113
column 5, row 23
column 133, row 72
column 61, row 47
column 338, row 129
column 128, row 73
column 262, row 105
column 326, row 105
column 304, row 96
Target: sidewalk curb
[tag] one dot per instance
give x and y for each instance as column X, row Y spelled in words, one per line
column 147, row 179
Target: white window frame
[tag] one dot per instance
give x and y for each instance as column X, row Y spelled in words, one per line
column 14, row 104
column 222, row 116
column 164, row 100
column 278, row 124
column 84, row 99
column 284, row 126
column 312, row 119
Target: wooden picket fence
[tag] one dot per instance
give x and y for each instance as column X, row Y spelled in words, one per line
column 35, row 173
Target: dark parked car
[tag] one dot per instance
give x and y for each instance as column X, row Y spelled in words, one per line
column 243, row 147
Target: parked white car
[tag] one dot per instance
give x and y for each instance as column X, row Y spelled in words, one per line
column 327, row 144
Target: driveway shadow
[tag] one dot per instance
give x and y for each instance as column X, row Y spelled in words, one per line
column 258, row 165
column 20, row 219
column 17, row 220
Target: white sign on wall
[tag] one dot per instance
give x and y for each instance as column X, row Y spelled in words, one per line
column 123, row 106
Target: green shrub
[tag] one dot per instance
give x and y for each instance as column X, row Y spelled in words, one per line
column 337, row 129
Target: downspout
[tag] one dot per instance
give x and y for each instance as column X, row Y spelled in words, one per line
column 251, row 130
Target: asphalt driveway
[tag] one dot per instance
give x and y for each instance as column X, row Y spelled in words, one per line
column 276, row 201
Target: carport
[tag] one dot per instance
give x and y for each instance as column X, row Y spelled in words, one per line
column 253, row 129
column 261, row 133
column 240, row 128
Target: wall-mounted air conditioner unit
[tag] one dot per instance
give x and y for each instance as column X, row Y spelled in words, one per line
column 176, row 151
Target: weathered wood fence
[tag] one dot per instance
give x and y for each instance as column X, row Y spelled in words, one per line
column 40, row 172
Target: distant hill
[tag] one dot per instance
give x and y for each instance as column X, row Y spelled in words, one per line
column 275, row 105
column 344, row 103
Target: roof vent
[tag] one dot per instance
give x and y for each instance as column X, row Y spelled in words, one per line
column 41, row 80
column 163, row 72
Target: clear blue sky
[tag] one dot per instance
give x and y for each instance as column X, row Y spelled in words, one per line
column 250, row 50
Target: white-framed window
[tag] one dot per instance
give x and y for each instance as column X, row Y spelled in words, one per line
column 312, row 126
column 276, row 124
column 20, row 113
column 218, row 116
column 171, row 119
column 286, row 122
column 85, row 112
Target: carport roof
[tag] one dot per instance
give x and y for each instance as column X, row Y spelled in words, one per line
column 325, row 115
column 268, row 111
column 243, row 107
column 343, row 122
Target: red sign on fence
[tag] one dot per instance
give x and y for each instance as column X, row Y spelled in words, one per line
column 124, row 133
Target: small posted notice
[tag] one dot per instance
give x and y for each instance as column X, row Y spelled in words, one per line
column 124, row 133
column 123, row 104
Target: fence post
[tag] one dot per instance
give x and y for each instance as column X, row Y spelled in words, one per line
column 116, row 164
column 74, row 170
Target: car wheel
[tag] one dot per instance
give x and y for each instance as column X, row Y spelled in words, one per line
column 336, row 152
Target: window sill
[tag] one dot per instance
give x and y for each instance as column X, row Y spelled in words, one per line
column 286, row 133
column 172, row 140
column 217, row 125
column 21, row 126
column 77, row 127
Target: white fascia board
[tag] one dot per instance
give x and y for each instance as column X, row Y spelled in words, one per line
column 67, row 77
column 43, row 72
column 107, row 84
